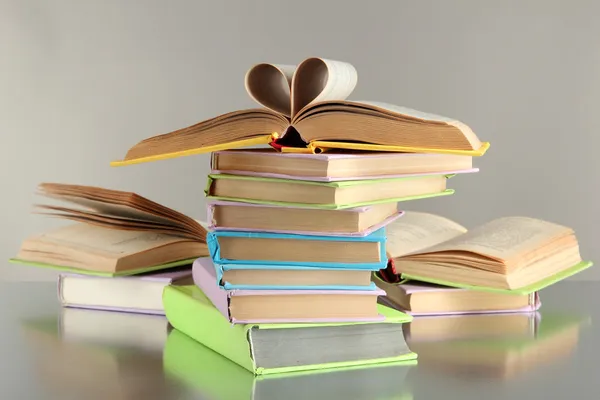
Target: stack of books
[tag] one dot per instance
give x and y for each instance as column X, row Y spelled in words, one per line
column 283, row 251
column 305, row 262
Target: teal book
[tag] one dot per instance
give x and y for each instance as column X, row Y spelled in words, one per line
column 285, row 277
column 260, row 248
column 325, row 195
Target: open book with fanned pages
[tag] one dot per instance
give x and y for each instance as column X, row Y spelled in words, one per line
column 306, row 110
column 114, row 233
column 512, row 255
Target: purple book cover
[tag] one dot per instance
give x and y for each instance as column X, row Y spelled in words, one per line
column 210, row 208
column 205, row 277
column 167, row 277
column 329, row 156
column 408, row 288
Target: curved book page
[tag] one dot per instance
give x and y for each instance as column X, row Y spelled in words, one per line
column 318, row 79
column 382, row 124
column 118, row 210
column 286, row 89
column 417, row 231
column 270, row 86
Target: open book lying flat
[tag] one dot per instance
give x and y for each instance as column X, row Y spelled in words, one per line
column 306, row 111
column 511, row 254
column 117, row 233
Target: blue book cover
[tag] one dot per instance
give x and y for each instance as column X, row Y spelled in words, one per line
column 221, row 268
column 378, row 236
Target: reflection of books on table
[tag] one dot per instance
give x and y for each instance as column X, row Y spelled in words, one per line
column 205, row 372
column 80, row 356
column 126, row 331
column 471, row 327
column 555, row 337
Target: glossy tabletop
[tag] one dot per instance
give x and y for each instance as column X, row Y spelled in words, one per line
column 553, row 355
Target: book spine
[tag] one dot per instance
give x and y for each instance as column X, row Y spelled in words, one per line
column 213, row 160
column 59, row 289
column 209, row 182
column 205, row 324
column 210, row 216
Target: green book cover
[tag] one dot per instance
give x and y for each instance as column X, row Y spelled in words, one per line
column 534, row 287
column 192, row 313
column 80, row 271
column 309, row 184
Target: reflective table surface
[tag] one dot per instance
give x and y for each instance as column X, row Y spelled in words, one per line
column 52, row 353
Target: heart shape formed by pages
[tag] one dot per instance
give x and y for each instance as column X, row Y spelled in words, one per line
column 306, row 110
column 287, row 89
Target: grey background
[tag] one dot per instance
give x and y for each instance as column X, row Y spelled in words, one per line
column 82, row 81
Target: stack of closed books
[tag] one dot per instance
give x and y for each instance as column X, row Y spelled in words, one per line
column 291, row 250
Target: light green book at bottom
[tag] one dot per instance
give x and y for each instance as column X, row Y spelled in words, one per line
column 280, row 348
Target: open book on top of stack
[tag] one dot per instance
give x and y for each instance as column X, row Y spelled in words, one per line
column 306, row 110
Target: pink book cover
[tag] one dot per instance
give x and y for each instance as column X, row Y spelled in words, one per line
column 210, row 208
column 329, row 156
column 410, row 288
column 167, row 277
column 205, row 277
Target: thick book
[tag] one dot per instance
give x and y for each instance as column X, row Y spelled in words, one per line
column 306, row 109
column 233, row 247
column 514, row 255
column 115, row 233
column 210, row 375
column 287, row 306
column 300, row 347
column 135, row 294
column 421, row 298
column 324, row 195
column 330, row 167
column 248, row 217
column 286, row 277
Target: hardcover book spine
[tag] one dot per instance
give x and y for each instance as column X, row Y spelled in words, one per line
column 206, row 325
column 212, row 225
column 212, row 241
column 205, row 277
